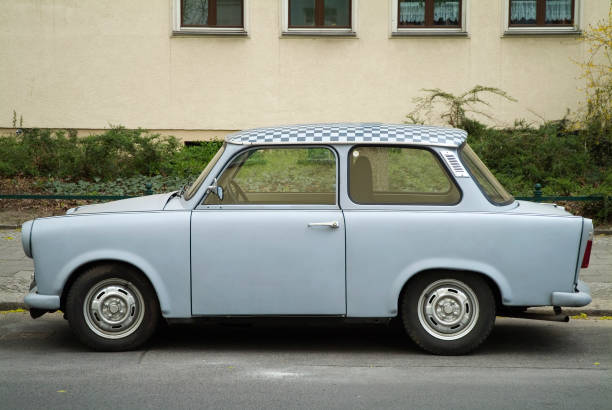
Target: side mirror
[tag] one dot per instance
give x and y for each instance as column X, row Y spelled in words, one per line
column 216, row 189
column 220, row 193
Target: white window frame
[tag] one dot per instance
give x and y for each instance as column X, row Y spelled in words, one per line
column 428, row 31
column 347, row 32
column 178, row 30
column 550, row 30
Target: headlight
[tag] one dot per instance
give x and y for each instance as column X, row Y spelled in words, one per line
column 26, row 234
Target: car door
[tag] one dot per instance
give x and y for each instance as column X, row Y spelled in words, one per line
column 273, row 243
column 399, row 214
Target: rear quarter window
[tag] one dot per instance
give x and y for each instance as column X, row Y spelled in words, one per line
column 399, row 176
column 492, row 189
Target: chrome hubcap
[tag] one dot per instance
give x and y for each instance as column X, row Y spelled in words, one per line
column 448, row 309
column 113, row 308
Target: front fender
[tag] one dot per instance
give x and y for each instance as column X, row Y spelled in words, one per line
column 157, row 243
column 115, row 255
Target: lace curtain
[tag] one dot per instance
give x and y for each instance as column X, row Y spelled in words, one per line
column 446, row 11
column 525, row 10
column 195, row 12
column 558, row 10
column 413, row 12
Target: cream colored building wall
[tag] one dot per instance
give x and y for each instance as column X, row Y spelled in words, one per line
column 86, row 64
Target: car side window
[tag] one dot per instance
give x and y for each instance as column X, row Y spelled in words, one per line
column 279, row 176
column 399, row 176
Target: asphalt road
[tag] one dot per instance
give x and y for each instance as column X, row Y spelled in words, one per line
column 524, row 364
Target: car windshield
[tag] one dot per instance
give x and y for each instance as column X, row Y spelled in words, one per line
column 486, row 181
column 196, row 184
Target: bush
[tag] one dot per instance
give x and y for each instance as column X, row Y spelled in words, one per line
column 550, row 154
column 121, row 161
column 190, row 160
column 116, row 153
column 120, row 152
column 595, row 114
column 131, row 186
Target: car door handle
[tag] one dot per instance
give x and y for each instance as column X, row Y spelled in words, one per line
column 332, row 224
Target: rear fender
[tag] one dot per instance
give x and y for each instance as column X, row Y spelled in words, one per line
column 449, row 264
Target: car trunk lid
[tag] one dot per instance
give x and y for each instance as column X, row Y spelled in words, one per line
column 539, row 208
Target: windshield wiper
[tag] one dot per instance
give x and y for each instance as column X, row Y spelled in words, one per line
column 178, row 193
column 183, row 189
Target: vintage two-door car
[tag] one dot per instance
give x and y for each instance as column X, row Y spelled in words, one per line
column 331, row 220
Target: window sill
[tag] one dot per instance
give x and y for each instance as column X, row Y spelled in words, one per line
column 541, row 32
column 429, row 33
column 319, row 33
column 211, row 32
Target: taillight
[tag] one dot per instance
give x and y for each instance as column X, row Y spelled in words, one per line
column 587, row 252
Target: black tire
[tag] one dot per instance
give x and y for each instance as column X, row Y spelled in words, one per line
column 112, row 307
column 448, row 313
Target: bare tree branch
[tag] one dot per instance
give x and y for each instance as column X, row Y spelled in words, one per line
column 456, row 106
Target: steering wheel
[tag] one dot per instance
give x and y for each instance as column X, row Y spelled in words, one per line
column 237, row 193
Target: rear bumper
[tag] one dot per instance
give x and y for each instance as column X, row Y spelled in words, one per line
column 581, row 297
column 34, row 300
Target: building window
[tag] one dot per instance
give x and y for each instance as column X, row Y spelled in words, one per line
column 319, row 17
column 535, row 13
column 429, row 17
column 319, row 13
column 545, row 17
column 429, row 13
column 209, row 17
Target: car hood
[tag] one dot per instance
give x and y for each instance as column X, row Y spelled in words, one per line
column 539, row 208
column 142, row 203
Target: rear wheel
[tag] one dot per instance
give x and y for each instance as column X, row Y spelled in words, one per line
column 448, row 313
column 112, row 307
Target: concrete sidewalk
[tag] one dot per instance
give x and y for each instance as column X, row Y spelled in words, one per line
column 16, row 271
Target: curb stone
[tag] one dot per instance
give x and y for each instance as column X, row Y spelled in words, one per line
column 12, row 306
column 574, row 311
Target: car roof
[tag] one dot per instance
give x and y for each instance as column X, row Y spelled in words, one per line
column 350, row 133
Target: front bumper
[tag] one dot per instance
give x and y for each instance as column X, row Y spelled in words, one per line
column 34, row 300
column 581, row 297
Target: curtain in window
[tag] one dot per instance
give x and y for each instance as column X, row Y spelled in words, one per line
column 412, row 12
column 446, row 12
column 523, row 11
column 558, row 11
column 195, row 12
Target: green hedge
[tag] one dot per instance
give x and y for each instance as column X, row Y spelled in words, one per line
column 117, row 153
column 565, row 162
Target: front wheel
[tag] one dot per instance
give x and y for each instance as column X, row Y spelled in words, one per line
column 112, row 307
column 448, row 313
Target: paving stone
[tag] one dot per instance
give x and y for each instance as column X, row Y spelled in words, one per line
column 10, row 268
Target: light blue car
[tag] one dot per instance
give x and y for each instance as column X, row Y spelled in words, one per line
column 364, row 221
